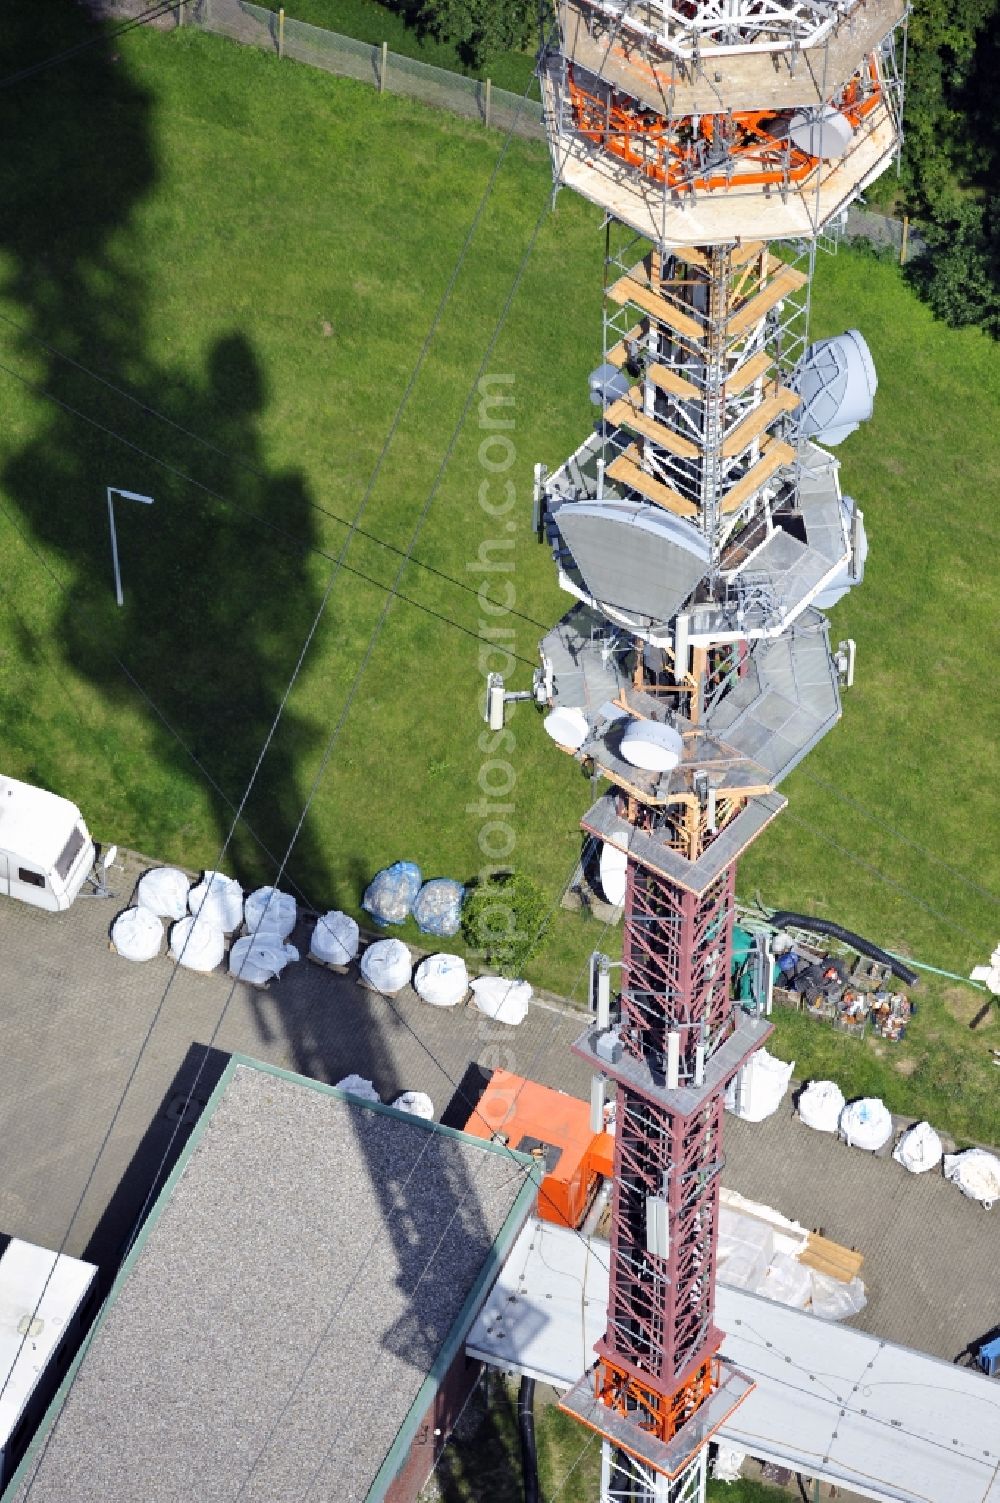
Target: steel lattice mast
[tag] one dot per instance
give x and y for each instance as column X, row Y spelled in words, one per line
column 701, row 529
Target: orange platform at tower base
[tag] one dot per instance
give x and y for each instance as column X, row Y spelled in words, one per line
column 536, row 1118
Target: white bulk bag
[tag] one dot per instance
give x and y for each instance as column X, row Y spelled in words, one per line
column 386, row 965
column 787, row 1282
column 357, row 1085
column 506, row 1001
column 335, row 938
column 757, row 1090
column 257, row 960
column 164, row 891
column 821, row 1104
column 441, row 980
column 728, row 1464
column 197, row 944
column 268, row 910
column 976, row 1173
column 220, row 898
column 866, row 1124
column 137, row 934
column 832, row 1299
column 416, row 1103
column 919, row 1148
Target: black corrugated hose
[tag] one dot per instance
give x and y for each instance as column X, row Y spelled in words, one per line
column 783, row 919
column 526, row 1429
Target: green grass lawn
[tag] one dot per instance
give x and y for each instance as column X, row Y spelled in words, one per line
column 371, row 22
column 255, row 250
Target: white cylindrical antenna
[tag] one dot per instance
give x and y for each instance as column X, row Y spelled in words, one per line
column 673, row 1059
column 598, row 1092
column 699, row 1064
column 603, row 991
column 494, row 701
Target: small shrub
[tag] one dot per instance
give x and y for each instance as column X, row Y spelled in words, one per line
column 505, row 920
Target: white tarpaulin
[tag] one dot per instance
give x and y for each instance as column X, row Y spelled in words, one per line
column 268, row 910
column 386, row 965
column 976, row 1173
column 335, row 938
column 866, row 1123
column 506, row 1001
column 746, row 1247
column 821, row 1104
column 757, row 1090
column 164, row 891
column 197, row 944
column 137, row 934
column 832, row 1299
column 919, row 1148
column 357, row 1085
column 416, row 1103
column 788, row 1282
column 258, row 959
column 442, row 980
column 220, row 899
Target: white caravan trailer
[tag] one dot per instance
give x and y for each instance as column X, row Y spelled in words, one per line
column 46, row 853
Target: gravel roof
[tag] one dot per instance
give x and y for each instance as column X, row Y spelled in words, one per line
column 275, row 1326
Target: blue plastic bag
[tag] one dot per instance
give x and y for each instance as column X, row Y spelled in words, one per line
column 438, row 908
column 390, row 894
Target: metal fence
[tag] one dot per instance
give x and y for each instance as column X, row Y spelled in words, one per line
column 389, row 72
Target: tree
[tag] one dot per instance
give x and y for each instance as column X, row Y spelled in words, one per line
column 505, row 920
column 960, row 274
column 480, row 28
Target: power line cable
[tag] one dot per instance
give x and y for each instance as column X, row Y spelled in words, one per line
column 894, row 831
column 242, row 463
column 340, row 563
column 154, row 13
column 432, row 330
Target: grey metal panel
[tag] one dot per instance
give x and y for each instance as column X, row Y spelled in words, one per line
column 583, row 676
column 636, row 557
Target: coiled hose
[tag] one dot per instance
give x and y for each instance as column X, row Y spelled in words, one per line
column 783, row 919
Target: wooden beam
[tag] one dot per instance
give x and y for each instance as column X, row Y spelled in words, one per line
column 759, row 420
column 787, row 281
column 669, row 380
column 618, row 354
column 776, row 455
column 750, row 371
column 623, row 469
column 628, row 290
column 628, row 410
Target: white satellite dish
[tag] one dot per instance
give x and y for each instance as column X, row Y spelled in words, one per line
column 567, row 727
column 837, row 383
column 613, row 864
column 651, row 745
column 821, row 133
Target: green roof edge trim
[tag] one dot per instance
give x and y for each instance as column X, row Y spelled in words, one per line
column 455, row 1337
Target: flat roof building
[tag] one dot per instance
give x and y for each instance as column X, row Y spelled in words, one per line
column 291, row 1322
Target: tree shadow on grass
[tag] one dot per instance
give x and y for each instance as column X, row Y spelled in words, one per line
column 217, row 604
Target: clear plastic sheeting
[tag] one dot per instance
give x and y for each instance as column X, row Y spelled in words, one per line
column 197, row 943
column 259, row 959
column 788, row 1282
column 164, row 891
column 746, row 1247
column 976, row 1173
column 919, row 1148
column 220, row 900
column 728, row 1464
column 357, row 1085
column 137, row 934
column 506, row 1001
column 442, row 980
column 821, row 1104
column 391, row 893
column 438, row 908
column 386, row 965
column 832, row 1299
column 335, row 938
column 271, row 911
column 758, row 1089
column 416, row 1103
column 866, row 1124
